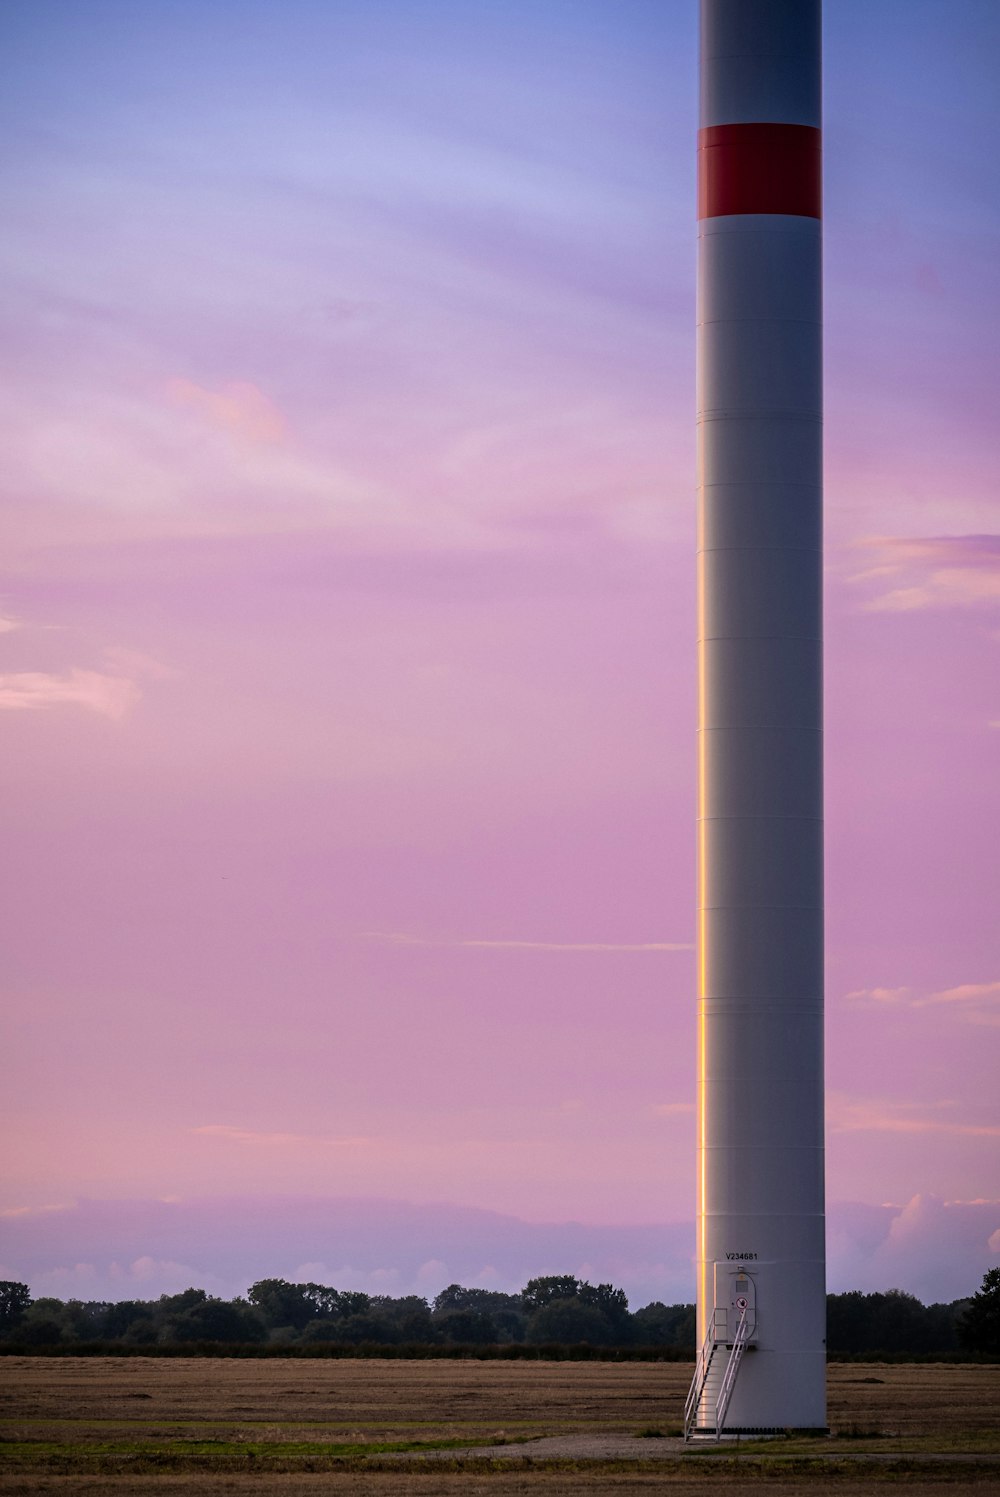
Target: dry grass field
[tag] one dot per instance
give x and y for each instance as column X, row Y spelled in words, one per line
column 192, row 1425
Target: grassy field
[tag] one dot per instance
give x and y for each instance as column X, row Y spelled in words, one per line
column 195, row 1425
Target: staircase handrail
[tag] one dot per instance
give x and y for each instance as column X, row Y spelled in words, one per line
column 732, row 1367
column 701, row 1366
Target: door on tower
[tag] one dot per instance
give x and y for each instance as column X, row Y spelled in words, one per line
column 735, row 1298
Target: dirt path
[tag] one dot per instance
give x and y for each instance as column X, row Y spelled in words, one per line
column 636, row 1448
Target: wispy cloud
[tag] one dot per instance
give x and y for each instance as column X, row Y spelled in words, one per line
column 880, row 995
column 847, row 1114
column 978, row 1002
column 975, row 1002
column 281, row 1140
column 108, row 695
column 16, row 1211
column 239, row 408
column 672, row 1109
column 392, row 938
column 969, row 992
column 907, row 573
column 8, row 625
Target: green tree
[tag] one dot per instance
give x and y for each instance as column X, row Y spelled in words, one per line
column 357, row 1329
column 216, row 1320
column 539, row 1292
column 506, row 1311
column 410, row 1317
column 467, row 1328
column 284, row 1304
column 44, row 1323
column 141, row 1331
column 570, row 1322
column 848, row 1323
column 457, row 1297
column 901, row 1321
column 665, row 1325
column 611, row 1327
column 335, row 1303
column 613, row 1305
column 352, row 1302
column 890, row 1321
column 979, row 1325
column 14, row 1300
column 122, row 1315
column 322, row 1331
column 174, row 1304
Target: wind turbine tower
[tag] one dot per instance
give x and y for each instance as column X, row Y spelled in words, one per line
column 761, row 1251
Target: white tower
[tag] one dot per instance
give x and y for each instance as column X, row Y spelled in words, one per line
column 761, row 1255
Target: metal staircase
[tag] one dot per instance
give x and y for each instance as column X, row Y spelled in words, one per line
column 714, row 1379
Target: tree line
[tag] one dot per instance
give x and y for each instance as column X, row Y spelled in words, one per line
column 552, row 1311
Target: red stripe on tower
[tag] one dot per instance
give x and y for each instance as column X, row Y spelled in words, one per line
column 759, row 168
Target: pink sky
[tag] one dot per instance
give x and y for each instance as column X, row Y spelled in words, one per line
column 347, row 640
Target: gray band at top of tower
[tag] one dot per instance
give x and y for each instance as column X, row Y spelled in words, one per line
column 760, row 62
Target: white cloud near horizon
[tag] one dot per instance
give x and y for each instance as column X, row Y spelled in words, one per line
column 144, row 1276
column 930, row 1247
